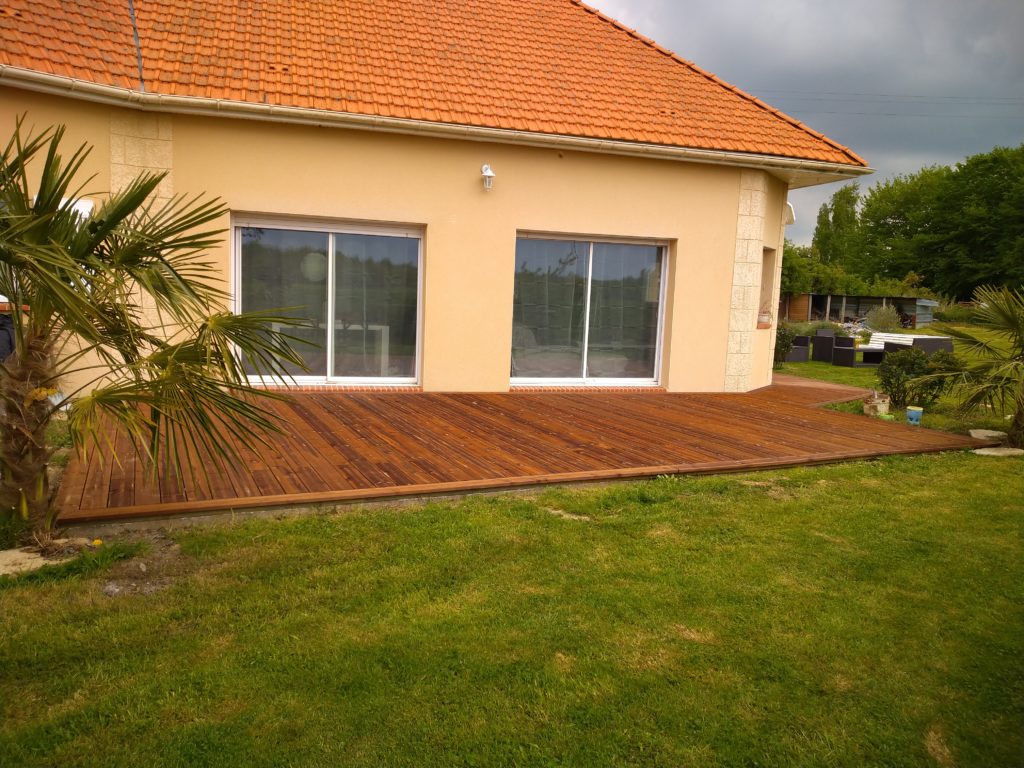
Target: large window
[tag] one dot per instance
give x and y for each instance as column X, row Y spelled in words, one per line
column 359, row 291
column 586, row 311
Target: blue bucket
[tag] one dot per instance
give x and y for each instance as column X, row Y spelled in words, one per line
column 914, row 415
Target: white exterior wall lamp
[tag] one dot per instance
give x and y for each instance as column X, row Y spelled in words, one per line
column 488, row 177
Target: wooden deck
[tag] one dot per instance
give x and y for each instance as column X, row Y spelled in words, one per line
column 343, row 447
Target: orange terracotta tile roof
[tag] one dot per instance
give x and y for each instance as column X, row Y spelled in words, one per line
column 542, row 66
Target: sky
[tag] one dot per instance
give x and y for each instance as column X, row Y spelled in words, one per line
column 903, row 83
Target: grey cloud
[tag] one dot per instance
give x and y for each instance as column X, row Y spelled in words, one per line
column 904, row 84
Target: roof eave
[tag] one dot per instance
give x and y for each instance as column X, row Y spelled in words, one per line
column 794, row 171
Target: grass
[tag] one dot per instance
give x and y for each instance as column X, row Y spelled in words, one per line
column 849, row 615
column 58, row 437
column 836, row 374
column 87, row 563
column 57, row 434
column 942, row 415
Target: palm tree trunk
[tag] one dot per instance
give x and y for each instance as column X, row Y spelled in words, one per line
column 25, row 412
column 1015, row 434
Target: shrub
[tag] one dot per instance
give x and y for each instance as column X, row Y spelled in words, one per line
column 12, row 530
column 896, row 372
column 955, row 313
column 910, row 376
column 808, row 328
column 884, row 319
column 939, row 375
column 784, row 336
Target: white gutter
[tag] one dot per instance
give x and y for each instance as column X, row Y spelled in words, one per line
column 41, row 82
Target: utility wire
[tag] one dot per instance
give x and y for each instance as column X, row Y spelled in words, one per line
column 843, row 94
column 907, row 114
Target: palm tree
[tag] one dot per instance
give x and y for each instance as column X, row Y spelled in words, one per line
column 123, row 298
column 994, row 374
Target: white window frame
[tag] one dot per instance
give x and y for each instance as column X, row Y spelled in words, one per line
column 591, row 381
column 330, row 227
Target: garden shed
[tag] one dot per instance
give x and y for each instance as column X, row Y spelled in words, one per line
column 915, row 312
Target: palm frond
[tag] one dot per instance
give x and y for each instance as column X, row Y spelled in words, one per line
column 119, row 207
column 1001, row 311
column 93, row 417
column 154, row 247
column 246, row 343
column 184, row 422
column 994, row 375
column 972, row 344
column 55, row 191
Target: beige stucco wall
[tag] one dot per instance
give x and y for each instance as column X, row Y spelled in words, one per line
column 85, row 123
column 469, row 235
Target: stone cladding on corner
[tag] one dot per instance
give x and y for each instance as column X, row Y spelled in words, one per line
column 746, row 280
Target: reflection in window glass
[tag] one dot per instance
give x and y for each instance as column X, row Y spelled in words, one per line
column 375, row 285
column 585, row 310
column 286, row 271
column 548, row 308
column 372, row 331
column 624, row 293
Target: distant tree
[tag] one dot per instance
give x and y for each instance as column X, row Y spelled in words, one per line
column 803, row 272
column 797, row 276
column 979, row 224
column 954, row 228
column 837, row 233
column 897, row 222
column 823, row 236
column 832, row 278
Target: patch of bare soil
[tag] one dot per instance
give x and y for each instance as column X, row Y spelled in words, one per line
column 694, row 635
column 842, row 683
column 839, row 540
column 564, row 662
column 569, row 516
column 663, row 531
column 937, row 747
column 160, row 566
column 50, row 552
column 770, row 489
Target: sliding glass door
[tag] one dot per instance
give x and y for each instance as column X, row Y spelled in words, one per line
column 375, row 306
column 358, row 291
column 586, row 312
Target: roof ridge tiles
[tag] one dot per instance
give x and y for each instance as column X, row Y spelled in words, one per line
column 718, row 80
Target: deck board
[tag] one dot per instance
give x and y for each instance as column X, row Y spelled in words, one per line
column 347, row 446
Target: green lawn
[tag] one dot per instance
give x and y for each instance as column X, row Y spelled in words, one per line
column 837, row 374
column 849, row 615
column 943, row 415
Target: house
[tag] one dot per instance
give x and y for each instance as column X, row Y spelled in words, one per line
column 461, row 196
